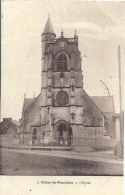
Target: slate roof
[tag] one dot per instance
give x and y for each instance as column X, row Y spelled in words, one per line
column 27, row 103
column 48, row 27
column 84, row 93
column 105, row 103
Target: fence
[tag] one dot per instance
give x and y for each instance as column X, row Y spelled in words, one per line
column 10, row 141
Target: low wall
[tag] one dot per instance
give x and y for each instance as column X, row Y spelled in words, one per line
column 93, row 132
column 93, row 142
column 6, row 140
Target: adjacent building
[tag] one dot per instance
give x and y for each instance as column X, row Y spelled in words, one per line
column 9, row 126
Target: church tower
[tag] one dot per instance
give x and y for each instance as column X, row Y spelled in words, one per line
column 62, row 97
column 61, row 82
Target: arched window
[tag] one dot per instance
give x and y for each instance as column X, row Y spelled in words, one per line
column 62, row 63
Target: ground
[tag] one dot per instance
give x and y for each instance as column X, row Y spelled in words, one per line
column 38, row 163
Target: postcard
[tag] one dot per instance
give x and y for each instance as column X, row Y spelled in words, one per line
column 62, row 112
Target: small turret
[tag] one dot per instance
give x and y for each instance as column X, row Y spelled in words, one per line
column 48, row 28
column 47, row 35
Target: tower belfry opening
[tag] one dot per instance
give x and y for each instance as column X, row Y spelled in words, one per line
column 62, row 63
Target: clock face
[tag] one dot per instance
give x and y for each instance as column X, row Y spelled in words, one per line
column 62, row 44
column 62, row 98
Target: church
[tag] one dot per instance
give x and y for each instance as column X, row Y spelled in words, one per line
column 62, row 95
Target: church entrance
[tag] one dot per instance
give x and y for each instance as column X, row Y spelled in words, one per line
column 61, row 133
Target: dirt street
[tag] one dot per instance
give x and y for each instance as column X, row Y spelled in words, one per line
column 13, row 163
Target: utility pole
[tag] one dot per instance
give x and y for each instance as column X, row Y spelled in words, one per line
column 120, row 100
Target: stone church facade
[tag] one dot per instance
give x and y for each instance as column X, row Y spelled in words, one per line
column 62, row 95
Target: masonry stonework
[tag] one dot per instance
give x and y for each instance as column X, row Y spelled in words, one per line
column 62, row 94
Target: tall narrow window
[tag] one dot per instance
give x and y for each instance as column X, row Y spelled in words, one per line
column 62, row 63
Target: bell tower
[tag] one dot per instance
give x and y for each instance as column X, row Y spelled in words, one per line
column 62, row 81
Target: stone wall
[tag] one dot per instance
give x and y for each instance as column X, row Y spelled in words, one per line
column 93, row 132
column 32, row 115
column 95, row 143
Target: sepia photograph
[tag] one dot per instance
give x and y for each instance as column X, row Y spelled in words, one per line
column 62, row 111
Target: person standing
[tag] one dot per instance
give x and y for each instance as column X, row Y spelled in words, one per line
column 61, row 136
column 70, row 135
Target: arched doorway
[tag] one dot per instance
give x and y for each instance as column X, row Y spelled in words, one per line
column 34, row 135
column 61, row 132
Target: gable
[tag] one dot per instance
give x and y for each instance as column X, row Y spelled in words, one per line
column 35, row 105
column 92, row 114
column 89, row 106
column 33, row 113
column 27, row 103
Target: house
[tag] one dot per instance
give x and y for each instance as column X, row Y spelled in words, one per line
column 9, row 126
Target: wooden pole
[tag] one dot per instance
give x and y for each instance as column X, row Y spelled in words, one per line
column 120, row 99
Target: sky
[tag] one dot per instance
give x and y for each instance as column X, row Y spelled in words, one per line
column 100, row 27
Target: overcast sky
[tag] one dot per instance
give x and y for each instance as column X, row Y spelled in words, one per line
column 100, row 28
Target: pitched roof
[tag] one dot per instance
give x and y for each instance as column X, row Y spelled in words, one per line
column 27, row 103
column 48, row 27
column 105, row 103
column 84, row 93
